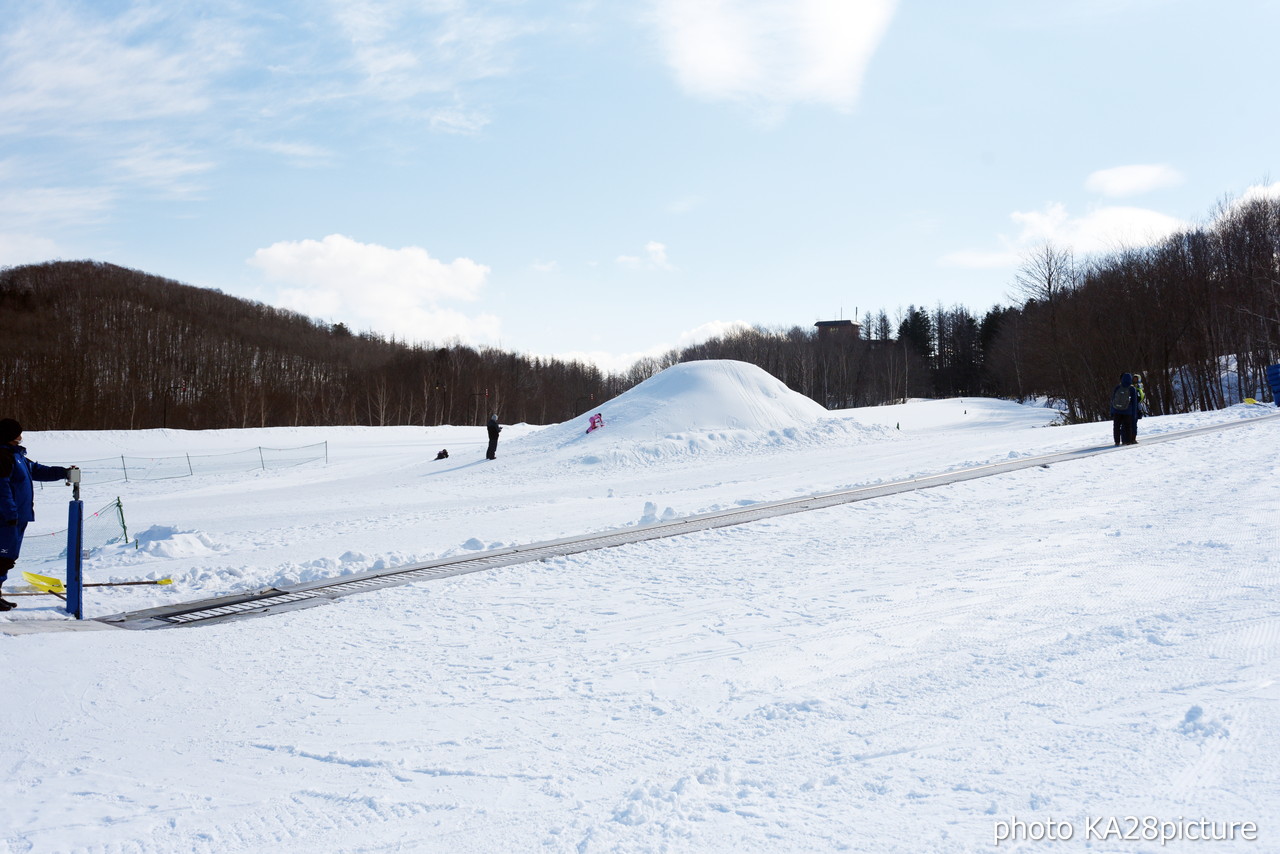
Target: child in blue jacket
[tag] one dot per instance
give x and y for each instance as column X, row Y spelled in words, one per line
column 17, row 498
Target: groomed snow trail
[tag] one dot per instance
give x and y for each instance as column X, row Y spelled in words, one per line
column 291, row 598
column 1066, row 642
column 1086, row 640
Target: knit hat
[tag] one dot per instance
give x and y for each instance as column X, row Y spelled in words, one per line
column 9, row 430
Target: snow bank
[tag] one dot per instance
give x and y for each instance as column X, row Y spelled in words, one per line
column 712, row 406
column 168, row 542
column 980, row 414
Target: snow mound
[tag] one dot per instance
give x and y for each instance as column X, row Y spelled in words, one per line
column 698, row 407
column 168, row 542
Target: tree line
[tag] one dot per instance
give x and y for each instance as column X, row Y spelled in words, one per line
column 1197, row 314
column 922, row 353
column 88, row 345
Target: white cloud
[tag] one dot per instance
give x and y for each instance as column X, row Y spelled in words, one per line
column 775, row 52
column 1229, row 207
column 709, row 330
column 18, row 249
column 458, row 121
column 546, row 266
column 367, row 286
column 610, row 363
column 169, row 170
column 621, row 362
column 54, row 206
column 1261, row 191
column 406, row 49
column 1103, row 230
column 118, row 88
column 67, row 66
column 60, row 71
column 1134, row 180
column 300, row 154
column 654, row 258
column 121, row 82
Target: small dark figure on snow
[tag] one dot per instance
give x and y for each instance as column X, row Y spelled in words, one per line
column 1124, row 412
column 17, row 498
column 443, row 455
column 494, row 430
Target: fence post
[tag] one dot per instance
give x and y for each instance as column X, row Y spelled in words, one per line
column 75, row 556
column 125, row 467
column 120, row 511
column 326, row 450
column 190, row 471
column 262, row 459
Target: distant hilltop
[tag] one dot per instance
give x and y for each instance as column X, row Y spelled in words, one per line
column 94, row 346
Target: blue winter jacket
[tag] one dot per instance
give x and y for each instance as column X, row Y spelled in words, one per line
column 1126, row 381
column 17, row 498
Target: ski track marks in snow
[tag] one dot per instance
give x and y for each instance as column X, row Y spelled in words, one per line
column 1097, row 638
column 939, row 692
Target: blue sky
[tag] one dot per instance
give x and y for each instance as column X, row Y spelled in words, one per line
column 610, row 180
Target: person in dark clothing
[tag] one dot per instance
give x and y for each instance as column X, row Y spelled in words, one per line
column 494, row 430
column 1124, row 412
column 17, row 498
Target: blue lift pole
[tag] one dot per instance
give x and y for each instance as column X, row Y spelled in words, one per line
column 75, row 548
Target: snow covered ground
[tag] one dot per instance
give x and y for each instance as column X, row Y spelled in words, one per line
column 1079, row 644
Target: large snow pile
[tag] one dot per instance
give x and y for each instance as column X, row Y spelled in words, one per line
column 710, row 406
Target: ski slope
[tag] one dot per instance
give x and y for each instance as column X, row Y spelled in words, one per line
column 1091, row 640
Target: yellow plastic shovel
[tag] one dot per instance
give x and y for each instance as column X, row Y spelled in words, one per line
column 47, row 584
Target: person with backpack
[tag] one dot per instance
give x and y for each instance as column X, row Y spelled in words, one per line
column 1124, row 412
column 17, row 498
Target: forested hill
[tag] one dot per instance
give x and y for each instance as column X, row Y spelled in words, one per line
column 87, row 345
column 1196, row 313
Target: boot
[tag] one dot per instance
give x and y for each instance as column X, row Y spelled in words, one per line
column 6, row 605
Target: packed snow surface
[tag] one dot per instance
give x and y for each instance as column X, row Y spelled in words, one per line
column 1094, row 640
